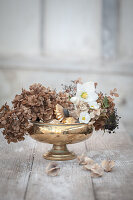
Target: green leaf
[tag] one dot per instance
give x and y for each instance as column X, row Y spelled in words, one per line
column 105, row 102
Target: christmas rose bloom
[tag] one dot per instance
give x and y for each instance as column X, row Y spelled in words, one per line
column 86, row 93
column 74, row 100
column 84, row 117
column 94, row 105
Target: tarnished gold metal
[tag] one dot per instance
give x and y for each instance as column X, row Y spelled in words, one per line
column 59, row 135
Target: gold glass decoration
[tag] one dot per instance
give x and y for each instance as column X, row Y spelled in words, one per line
column 59, row 135
column 69, row 120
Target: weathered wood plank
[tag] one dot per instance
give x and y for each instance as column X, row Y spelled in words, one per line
column 72, row 183
column 117, row 184
column 15, row 167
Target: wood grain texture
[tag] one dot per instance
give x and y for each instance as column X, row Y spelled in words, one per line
column 15, row 166
column 117, row 184
column 22, row 170
column 72, row 183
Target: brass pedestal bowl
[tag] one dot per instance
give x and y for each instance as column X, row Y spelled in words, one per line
column 59, row 135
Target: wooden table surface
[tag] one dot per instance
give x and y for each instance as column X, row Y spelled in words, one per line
column 23, row 177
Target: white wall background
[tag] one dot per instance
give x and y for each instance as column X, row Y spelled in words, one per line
column 72, row 28
column 19, row 27
column 60, row 28
column 52, row 27
column 126, row 28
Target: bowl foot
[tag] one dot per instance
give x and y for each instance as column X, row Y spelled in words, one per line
column 60, row 153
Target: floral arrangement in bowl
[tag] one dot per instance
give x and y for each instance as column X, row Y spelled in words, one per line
column 76, row 103
column 95, row 108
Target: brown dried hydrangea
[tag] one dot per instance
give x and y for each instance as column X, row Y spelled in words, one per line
column 108, row 119
column 37, row 103
column 14, row 124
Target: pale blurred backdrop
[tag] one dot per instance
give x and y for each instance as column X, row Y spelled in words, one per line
column 55, row 41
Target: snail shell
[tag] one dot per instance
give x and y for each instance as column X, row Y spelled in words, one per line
column 59, row 112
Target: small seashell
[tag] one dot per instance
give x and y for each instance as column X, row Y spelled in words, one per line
column 59, row 112
column 54, row 121
column 107, row 165
column 69, row 120
column 52, row 169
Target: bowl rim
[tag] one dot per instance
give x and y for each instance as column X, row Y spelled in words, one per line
column 61, row 124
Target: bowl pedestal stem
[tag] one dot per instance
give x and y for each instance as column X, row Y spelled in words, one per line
column 59, row 152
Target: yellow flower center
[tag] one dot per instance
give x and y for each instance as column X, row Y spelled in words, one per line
column 84, row 95
column 92, row 106
column 83, row 118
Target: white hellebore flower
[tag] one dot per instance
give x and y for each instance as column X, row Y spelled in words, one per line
column 84, row 117
column 86, row 92
column 74, row 100
column 94, row 105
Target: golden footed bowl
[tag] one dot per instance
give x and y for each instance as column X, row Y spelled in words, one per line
column 59, row 135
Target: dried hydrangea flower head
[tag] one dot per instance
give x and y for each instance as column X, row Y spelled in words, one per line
column 37, row 103
column 14, row 124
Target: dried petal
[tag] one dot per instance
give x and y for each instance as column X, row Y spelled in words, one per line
column 74, row 114
column 52, row 169
column 95, row 113
column 114, row 92
column 84, row 160
column 82, row 106
column 107, row 165
column 95, row 84
column 89, row 165
column 96, row 170
column 79, row 80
